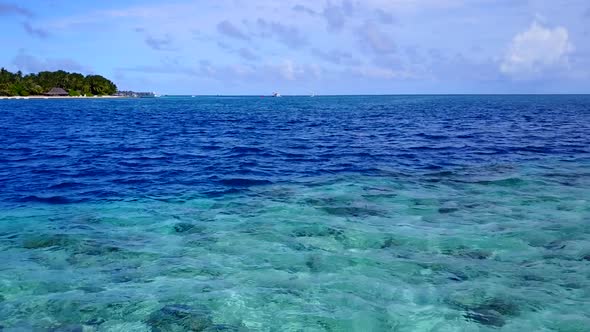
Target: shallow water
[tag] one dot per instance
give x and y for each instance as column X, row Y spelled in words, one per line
column 406, row 213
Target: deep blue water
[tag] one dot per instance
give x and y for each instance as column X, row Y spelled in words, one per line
column 356, row 213
column 78, row 150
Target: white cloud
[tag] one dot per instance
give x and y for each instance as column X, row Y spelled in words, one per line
column 32, row 64
column 372, row 38
column 291, row 71
column 383, row 73
column 536, row 50
column 288, row 70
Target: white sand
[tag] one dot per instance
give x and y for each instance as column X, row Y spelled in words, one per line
column 59, row 97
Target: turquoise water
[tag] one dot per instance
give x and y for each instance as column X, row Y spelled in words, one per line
column 473, row 244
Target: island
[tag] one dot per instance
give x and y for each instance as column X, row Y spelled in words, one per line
column 56, row 83
column 134, row 94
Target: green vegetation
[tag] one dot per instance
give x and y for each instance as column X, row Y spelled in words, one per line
column 15, row 84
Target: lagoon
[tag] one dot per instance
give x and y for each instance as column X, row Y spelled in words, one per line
column 339, row 213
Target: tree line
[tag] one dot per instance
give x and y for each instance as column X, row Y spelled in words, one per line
column 17, row 84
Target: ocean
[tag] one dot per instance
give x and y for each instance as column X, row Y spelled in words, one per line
column 341, row 213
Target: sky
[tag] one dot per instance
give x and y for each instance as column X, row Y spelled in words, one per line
column 237, row 47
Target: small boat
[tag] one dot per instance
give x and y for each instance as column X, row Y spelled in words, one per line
column 276, row 94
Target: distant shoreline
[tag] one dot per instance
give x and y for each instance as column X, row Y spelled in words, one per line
column 62, row 97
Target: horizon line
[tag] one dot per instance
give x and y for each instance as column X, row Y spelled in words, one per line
column 376, row 95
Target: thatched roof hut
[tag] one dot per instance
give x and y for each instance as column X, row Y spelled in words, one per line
column 57, row 92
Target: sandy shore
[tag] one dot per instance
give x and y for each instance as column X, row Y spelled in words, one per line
column 61, row 97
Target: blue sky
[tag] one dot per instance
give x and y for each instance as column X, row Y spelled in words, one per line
column 307, row 46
